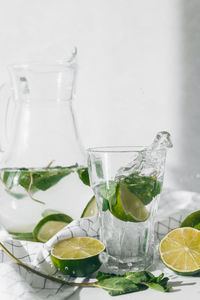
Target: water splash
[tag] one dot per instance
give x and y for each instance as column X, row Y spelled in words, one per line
column 149, row 161
column 162, row 141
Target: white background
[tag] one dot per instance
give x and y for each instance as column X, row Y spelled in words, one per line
column 138, row 69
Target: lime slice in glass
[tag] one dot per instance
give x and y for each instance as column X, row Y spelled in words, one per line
column 128, row 207
column 91, row 209
column 180, row 250
column 77, row 256
column 49, row 226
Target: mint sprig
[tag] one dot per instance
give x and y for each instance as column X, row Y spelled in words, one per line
column 131, row 282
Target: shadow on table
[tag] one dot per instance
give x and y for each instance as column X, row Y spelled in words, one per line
column 173, row 285
column 75, row 295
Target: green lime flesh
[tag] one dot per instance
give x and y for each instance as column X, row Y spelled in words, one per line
column 77, row 256
column 49, row 226
column 91, row 208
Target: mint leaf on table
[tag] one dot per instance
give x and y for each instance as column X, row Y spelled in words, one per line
column 118, row 286
column 138, row 277
column 143, row 187
column 84, row 175
column 131, row 282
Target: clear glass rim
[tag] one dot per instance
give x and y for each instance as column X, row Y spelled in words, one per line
column 42, row 63
column 117, row 149
column 120, row 149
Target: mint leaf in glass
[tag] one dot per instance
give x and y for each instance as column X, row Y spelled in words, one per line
column 143, row 187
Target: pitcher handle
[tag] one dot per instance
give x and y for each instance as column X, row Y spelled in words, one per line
column 4, row 115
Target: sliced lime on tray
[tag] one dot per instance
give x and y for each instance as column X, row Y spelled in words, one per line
column 78, row 256
column 49, row 226
column 180, row 250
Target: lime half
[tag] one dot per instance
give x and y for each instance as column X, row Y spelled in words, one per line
column 128, row 207
column 91, row 209
column 49, row 226
column 180, row 250
column 77, row 256
column 193, row 220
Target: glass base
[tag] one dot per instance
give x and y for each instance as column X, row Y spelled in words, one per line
column 111, row 264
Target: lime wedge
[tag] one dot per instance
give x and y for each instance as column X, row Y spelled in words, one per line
column 47, row 212
column 193, row 220
column 91, row 209
column 128, row 207
column 77, row 256
column 49, row 226
column 180, row 250
column 26, row 236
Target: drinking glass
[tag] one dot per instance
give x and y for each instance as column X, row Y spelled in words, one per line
column 127, row 183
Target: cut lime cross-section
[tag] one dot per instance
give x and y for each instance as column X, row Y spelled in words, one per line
column 77, row 256
column 180, row 250
column 49, row 226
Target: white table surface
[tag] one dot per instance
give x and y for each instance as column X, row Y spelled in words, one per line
column 183, row 288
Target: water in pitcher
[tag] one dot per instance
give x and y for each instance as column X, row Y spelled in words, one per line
column 27, row 194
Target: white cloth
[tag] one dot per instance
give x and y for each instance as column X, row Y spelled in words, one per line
column 18, row 283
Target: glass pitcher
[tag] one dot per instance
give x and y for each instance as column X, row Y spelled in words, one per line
column 42, row 166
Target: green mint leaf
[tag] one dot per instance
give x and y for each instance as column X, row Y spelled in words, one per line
column 101, row 275
column 34, row 180
column 108, row 192
column 84, row 175
column 143, row 187
column 118, row 285
column 105, row 205
column 99, row 169
column 157, row 287
column 159, row 283
column 159, row 278
column 138, row 277
column 131, row 282
column 42, row 180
